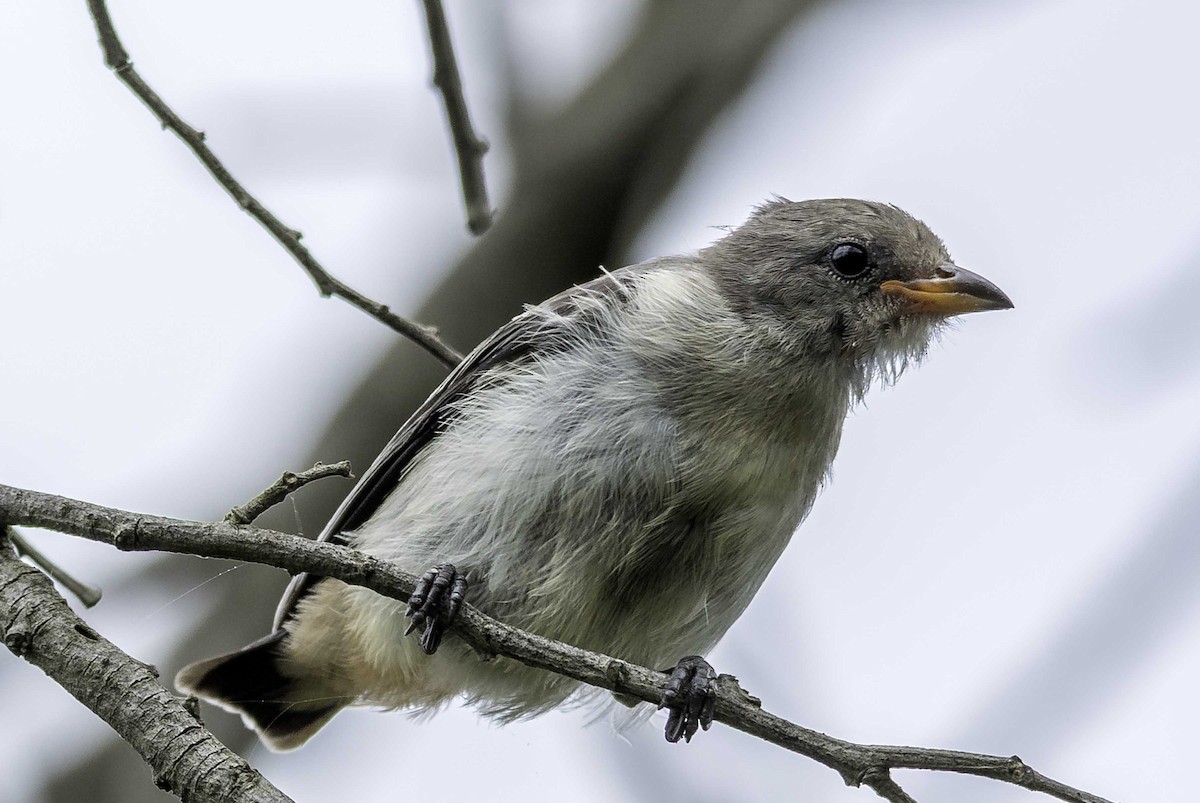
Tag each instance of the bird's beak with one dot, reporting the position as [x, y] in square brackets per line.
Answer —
[954, 291]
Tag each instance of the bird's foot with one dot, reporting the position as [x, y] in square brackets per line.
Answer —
[689, 698]
[434, 604]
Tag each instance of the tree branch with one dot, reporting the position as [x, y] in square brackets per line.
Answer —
[87, 594]
[468, 145]
[188, 761]
[858, 764]
[880, 780]
[288, 482]
[117, 59]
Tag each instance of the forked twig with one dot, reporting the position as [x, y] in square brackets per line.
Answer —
[279, 490]
[117, 59]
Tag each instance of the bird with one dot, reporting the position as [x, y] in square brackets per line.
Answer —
[618, 467]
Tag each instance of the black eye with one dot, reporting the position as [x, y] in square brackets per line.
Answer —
[850, 260]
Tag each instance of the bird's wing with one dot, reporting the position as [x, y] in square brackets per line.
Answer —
[538, 330]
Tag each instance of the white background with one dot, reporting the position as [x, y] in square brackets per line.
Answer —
[1007, 558]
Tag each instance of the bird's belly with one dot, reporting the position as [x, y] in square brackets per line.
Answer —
[690, 599]
[673, 585]
[645, 552]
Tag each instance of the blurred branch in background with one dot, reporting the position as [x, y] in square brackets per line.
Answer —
[118, 61]
[38, 625]
[859, 765]
[468, 145]
[587, 177]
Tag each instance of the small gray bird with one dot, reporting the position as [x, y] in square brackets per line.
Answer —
[618, 468]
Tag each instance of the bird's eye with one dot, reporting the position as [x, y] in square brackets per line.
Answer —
[850, 260]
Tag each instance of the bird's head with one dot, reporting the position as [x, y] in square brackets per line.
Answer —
[849, 284]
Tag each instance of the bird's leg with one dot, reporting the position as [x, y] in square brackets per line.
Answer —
[434, 604]
[689, 698]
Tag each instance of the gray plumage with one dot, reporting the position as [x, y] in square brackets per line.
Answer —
[618, 468]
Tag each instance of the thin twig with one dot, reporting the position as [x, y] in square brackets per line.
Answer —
[87, 594]
[37, 624]
[858, 764]
[117, 59]
[288, 482]
[468, 145]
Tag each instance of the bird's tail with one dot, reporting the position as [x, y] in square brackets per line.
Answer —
[252, 682]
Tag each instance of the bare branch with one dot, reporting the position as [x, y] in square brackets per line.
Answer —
[87, 594]
[858, 764]
[117, 59]
[468, 145]
[288, 482]
[881, 781]
[188, 761]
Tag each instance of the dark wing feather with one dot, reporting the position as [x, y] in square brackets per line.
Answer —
[529, 333]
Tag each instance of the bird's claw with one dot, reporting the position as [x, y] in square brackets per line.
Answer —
[434, 604]
[690, 696]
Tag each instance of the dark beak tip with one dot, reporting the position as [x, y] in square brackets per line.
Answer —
[980, 287]
[1002, 301]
